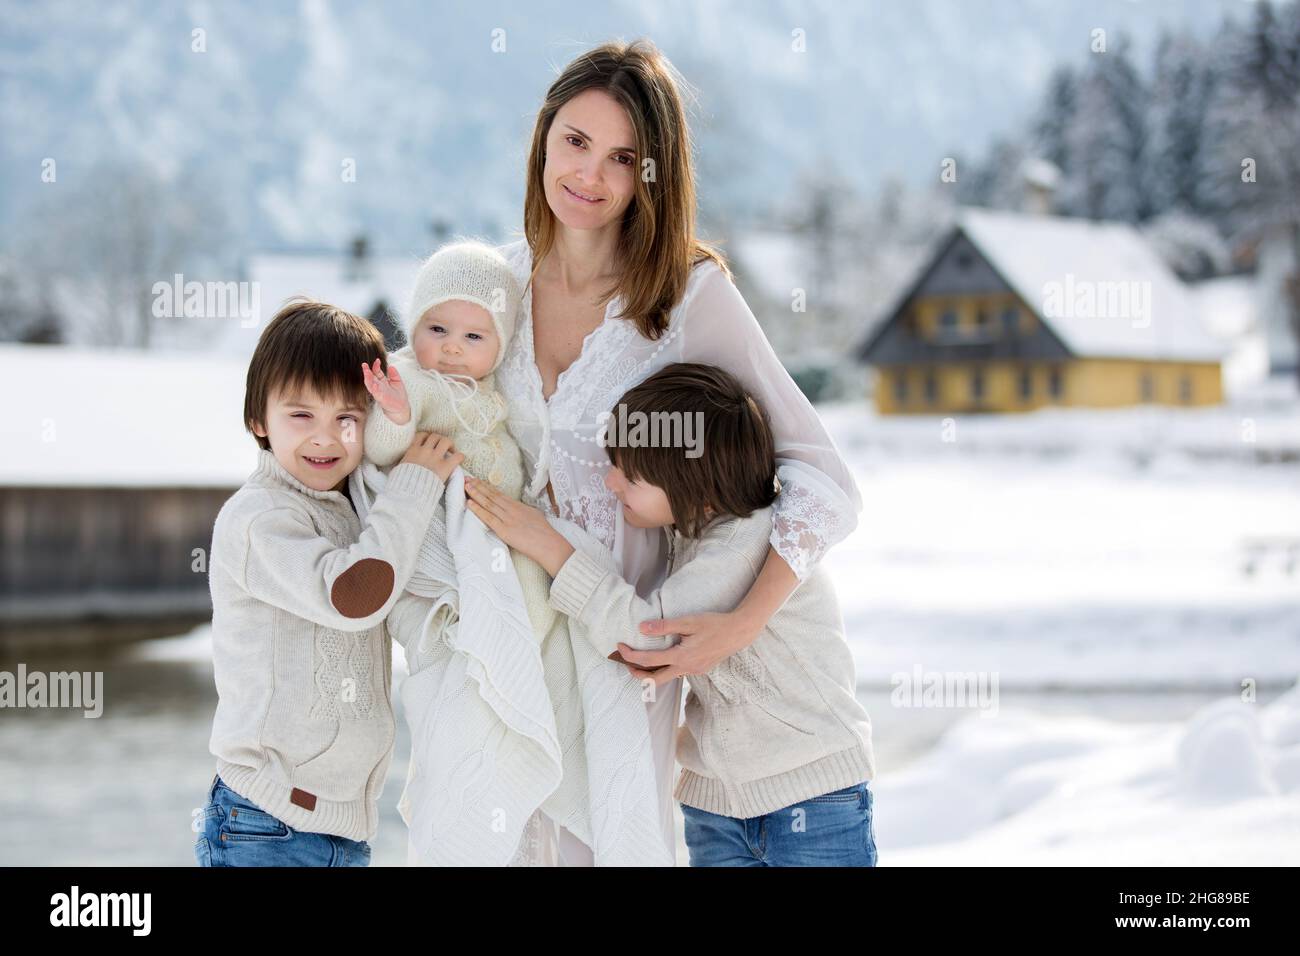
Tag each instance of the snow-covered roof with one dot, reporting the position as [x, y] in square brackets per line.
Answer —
[1040, 172]
[1228, 306]
[124, 418]
[327, 277]
[1052, 260]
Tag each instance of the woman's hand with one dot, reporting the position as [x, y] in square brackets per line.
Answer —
[520, 526]
[389, 393]
[706, 639]
[712, 637]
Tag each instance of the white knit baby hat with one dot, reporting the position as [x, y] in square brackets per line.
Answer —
[473, 272]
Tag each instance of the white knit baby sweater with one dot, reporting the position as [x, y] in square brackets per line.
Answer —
[478, 431]
[476, 424]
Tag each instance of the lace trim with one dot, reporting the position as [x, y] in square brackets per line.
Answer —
[613, 358]
[804, 527]
[582, 461]
[532, 850]
[590, 505]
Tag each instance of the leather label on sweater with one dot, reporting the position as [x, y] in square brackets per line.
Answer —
[618, 658]
[362, 589]
[303, 799]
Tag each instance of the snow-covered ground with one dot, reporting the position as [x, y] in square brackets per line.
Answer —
[1094, 556]
[1223, 788]
[1130, 548]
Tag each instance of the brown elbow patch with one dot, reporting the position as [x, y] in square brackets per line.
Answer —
[362, 589]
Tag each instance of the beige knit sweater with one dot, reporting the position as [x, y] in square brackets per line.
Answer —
[775, 723]
[302, 659]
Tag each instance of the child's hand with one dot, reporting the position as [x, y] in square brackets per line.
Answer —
[389, 393]
[434, 452]
[520, 526]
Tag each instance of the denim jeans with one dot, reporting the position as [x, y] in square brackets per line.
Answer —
[234, 831]
[834, 829]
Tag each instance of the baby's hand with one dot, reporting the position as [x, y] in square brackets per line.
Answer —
[389, 393]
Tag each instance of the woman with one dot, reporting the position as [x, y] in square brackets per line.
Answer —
[618, 286]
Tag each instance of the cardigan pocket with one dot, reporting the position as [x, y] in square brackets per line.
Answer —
[760, 738]
[341, 771]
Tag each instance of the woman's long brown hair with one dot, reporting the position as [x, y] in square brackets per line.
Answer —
[657, 244]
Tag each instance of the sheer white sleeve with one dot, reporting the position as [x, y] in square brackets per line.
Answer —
[819, 501]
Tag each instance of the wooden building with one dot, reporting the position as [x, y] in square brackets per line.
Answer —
[116, 464]
[117, 461]
[1016, 311]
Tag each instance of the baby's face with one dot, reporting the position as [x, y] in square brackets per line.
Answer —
[456, 338]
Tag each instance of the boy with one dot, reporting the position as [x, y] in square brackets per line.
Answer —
[776, 751]
[303, 731]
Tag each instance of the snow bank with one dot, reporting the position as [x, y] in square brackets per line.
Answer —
[124, 418]
[1023, 789]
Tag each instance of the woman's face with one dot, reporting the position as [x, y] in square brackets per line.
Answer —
[591, 162]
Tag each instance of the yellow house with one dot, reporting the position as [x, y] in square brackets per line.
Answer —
[1016, 311]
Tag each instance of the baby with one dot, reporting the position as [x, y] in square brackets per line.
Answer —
[488, 717]
[461, 317]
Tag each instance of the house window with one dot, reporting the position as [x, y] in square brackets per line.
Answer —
[977, 384]
[948, 320]
[1010, 316]
[931, 387]
[1026, 383]
[1148, 387]
[1185, 389]
[1054, 382]
[981, 319]
[900, 386]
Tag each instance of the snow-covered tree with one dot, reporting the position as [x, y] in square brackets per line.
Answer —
[1054, 118]
[1104, 140]
[95, 248]
[1191, 245]
[1171, 159]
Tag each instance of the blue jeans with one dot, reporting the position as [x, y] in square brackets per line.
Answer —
[834, 829]
[234, 831]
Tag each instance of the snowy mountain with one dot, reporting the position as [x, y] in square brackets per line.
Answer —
[257, 107]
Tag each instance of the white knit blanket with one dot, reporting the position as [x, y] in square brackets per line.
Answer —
[504, 723]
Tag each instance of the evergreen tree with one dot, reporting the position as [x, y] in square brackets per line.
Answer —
[1171, 158]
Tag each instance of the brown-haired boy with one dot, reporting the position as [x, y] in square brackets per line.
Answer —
[776, 751]
[303, 731]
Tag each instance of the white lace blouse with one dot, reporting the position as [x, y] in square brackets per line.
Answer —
[819, 501]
